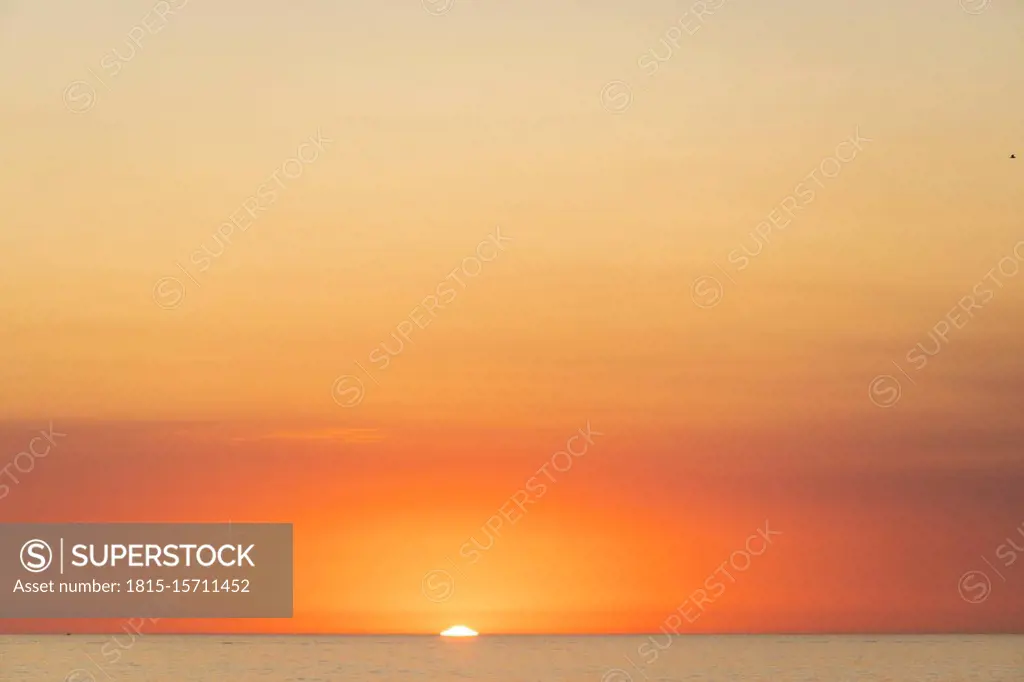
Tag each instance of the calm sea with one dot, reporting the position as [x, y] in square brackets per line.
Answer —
[162, 658]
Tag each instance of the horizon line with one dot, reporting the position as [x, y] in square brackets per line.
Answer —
[530, 634]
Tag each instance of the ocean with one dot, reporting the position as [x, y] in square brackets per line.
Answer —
[690, 658]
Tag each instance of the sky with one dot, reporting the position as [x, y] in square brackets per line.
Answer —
[769, 252]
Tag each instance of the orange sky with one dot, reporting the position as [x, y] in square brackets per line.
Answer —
[443, 132]
[614, 543]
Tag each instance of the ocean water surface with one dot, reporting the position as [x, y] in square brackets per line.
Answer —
[691, 658]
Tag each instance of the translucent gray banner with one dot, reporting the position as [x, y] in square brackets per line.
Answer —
[146, 570]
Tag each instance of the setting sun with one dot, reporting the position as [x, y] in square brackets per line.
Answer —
[459, 631]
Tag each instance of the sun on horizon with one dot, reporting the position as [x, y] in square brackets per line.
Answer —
[459, 631]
